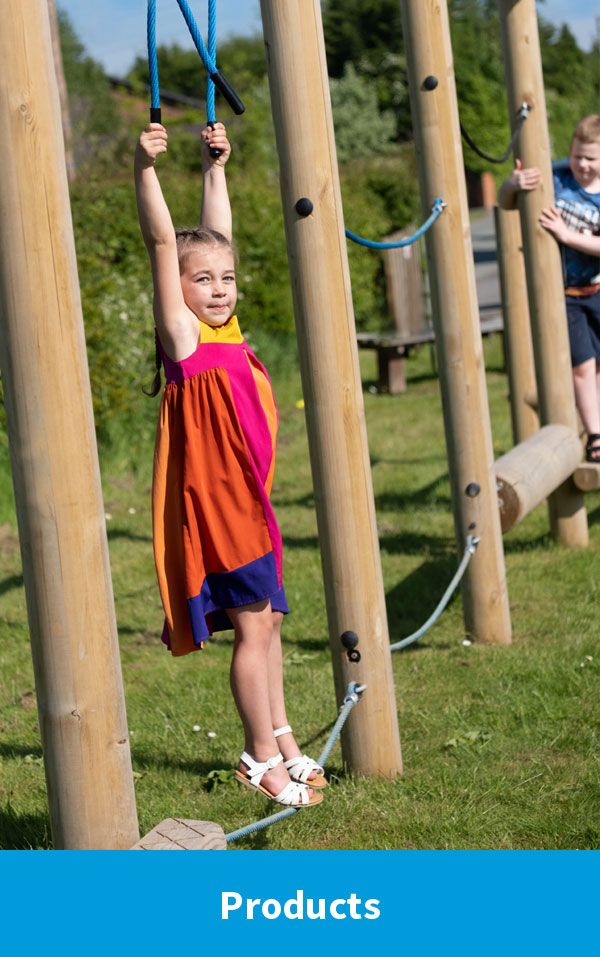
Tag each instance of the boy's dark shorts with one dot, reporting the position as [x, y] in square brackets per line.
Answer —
[583, 313]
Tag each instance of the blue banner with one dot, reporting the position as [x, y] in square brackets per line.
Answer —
[428, 902]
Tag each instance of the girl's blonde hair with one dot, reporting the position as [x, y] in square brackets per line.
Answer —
[187, 241]
[190, 239]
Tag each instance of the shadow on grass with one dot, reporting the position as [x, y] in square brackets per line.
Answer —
[411, 544]
[434, 493]
[23, 832]
[14, 581]
[20, 751]
[517, 546]
[594, 516]
[115, 533]
[411, 602]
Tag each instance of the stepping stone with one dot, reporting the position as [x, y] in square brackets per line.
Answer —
[175, 834]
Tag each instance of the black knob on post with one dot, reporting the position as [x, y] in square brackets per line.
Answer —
[350, 640]
[304, 207]
[430, 83]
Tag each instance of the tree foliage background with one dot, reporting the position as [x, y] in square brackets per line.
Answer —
[369, 91]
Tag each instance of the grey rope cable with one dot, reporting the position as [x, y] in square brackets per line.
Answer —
[354, 693]
[521, 117]
[470, 549]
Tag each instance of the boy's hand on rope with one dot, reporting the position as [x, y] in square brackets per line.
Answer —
[526, 179]
[215, 138]
[152, 142]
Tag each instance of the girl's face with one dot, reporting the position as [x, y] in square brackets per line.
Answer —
[208, 283]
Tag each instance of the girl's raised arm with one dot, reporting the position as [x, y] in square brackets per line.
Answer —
[176, 324]
[216, 208]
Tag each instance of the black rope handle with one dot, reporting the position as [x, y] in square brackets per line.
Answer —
[521, 117]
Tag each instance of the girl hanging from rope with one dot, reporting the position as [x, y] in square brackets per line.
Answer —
[217, 545]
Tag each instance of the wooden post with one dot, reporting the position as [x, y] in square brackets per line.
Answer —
[518, 347]
[331, 377]
[531, 471]
[456, 315]
[542, 257]
[54, 460]
[62, 90]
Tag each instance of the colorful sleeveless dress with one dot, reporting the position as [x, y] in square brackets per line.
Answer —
[217, 544]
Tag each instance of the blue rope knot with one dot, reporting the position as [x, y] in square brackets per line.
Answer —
[436, 210]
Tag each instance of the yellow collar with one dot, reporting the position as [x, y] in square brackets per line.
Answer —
[228, 332]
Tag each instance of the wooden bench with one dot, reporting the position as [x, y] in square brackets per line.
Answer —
[406, 300]
[393, 348]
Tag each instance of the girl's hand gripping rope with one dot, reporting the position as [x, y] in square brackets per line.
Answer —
[152, 142]
[214, 138]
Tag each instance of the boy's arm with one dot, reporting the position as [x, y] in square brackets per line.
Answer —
[216, 208]
[171, 314]
[520, 179]
[552, 220]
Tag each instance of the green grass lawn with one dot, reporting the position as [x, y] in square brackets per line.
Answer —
[500, 745]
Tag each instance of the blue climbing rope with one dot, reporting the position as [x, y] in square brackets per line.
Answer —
[153, 62]
[354, 693]
[470, 549]
[211, 42]
[436, 210]
[208, 57]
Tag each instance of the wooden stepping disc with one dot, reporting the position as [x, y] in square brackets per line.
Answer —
[174, 834]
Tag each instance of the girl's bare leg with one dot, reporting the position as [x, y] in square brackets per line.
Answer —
[249, 677]
[286, 742]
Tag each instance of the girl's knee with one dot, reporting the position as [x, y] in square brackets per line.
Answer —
[253, 622]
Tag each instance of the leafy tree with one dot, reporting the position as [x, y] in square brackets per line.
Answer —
[368, 34]
[96, 125]
[357, 30]
[480, 79]
[360, 128]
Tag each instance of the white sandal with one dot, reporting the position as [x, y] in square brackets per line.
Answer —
[300, 767]
[293, 794]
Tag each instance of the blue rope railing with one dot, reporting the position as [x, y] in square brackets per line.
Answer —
[436, 210]
[353, 695]
[208, 57]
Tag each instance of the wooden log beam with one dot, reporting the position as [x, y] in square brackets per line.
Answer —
[587, 477]
[532, 470]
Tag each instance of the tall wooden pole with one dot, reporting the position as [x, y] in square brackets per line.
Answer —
[62, 90]
[456, 315]
[518, 347]
[523, 66]
[54, 458]
[331, 378]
